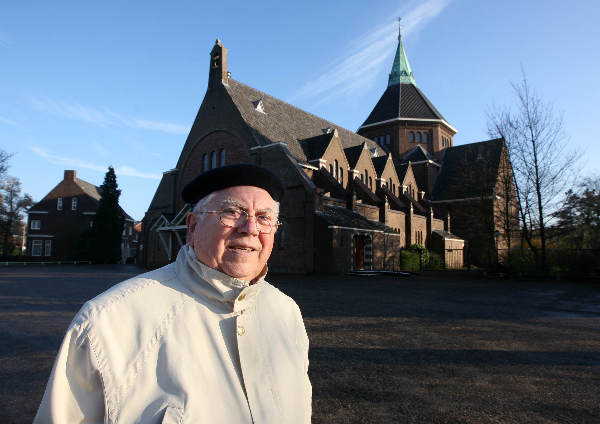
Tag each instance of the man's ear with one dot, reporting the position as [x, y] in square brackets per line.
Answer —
[191, 221]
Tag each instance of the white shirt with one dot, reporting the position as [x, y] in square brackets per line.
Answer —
[182, 344]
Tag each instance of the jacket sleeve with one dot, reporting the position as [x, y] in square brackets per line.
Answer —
[74, 393]
[302, 340]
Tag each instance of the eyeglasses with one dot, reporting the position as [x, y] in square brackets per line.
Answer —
[235, 218]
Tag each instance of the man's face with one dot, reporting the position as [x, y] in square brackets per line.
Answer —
[239, 252]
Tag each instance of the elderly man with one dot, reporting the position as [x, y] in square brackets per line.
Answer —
[202, 340]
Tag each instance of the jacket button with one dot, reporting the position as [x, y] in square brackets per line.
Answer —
[240, 330]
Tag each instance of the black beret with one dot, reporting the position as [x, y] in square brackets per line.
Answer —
[229, 176]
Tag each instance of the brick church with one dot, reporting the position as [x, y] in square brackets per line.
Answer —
[353, 199]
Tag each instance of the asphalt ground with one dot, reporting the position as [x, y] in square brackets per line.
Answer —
[438, 348]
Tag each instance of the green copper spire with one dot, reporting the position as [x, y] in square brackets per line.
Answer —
[401, 72]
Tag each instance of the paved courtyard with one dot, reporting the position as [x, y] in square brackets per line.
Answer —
[424, 349]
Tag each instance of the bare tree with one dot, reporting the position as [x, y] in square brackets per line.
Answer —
[542, 165]
[12, 208]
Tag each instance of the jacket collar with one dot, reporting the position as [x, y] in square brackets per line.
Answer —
[209, 282]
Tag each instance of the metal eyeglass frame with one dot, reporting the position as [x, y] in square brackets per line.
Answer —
[276, 225]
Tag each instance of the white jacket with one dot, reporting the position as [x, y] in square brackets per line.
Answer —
[182, 344]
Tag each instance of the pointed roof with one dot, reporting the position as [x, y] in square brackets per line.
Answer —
[401, 71]
[379, 164]
[402, 100]
[418, 154]
[314, 147]
[468, 171]
[353, 154]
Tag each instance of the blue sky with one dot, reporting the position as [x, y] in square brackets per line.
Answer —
[84, 85]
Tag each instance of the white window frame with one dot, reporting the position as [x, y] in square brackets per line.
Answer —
[36, 248]
[74, 204]
[59, 204]
[47, 247]
[36, 224]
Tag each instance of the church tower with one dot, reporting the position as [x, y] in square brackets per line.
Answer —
[404, 118]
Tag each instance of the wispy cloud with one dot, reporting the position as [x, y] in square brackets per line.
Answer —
[7, 121]
[103, 117]
[364, 57]
[76, 163]
[4, 41]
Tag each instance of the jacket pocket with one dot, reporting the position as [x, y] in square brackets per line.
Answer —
[173, 415]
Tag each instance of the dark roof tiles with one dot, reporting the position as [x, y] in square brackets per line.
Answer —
[282, 122]
[402, 101]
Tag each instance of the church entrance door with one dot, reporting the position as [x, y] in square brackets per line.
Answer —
[359, 252]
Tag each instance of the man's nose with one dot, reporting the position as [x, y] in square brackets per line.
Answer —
[249, 227]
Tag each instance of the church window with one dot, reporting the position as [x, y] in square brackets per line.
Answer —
[362, 178]
[331, 169]
[370, 182]
[341, 174]
[205, 162]
[418, 137]
[366, 177]
[222, 157]
[424, 137]
[213, 159]
[411, 137]
[387, 139]
[375, 139]
[335, 168]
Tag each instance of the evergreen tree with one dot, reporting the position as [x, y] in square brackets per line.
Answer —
[105, 246]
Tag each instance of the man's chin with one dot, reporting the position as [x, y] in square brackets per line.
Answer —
[244, 272]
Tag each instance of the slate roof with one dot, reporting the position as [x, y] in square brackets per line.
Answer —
[323, 179]
[417, 154]
[88, 188]
[468, 171]
[402, 101]
[342, 217]
[282, 122]
[446, 235]
[363, 192]
[393, 200]
[401, 169]
[353, 154]
[379, 164]
[314, 147]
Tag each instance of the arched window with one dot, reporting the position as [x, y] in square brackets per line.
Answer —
[411, 137]
[205, 162]
[418, 137]
[335, 168]
[425, 137]
[370, 182]
[222, 157]
[375, 139]
[213, 159]
[362, 178]
[341, 174]
[331, 169]
[366, 177]
[387, 139]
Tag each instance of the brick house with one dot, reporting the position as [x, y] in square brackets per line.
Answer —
[55, 223]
